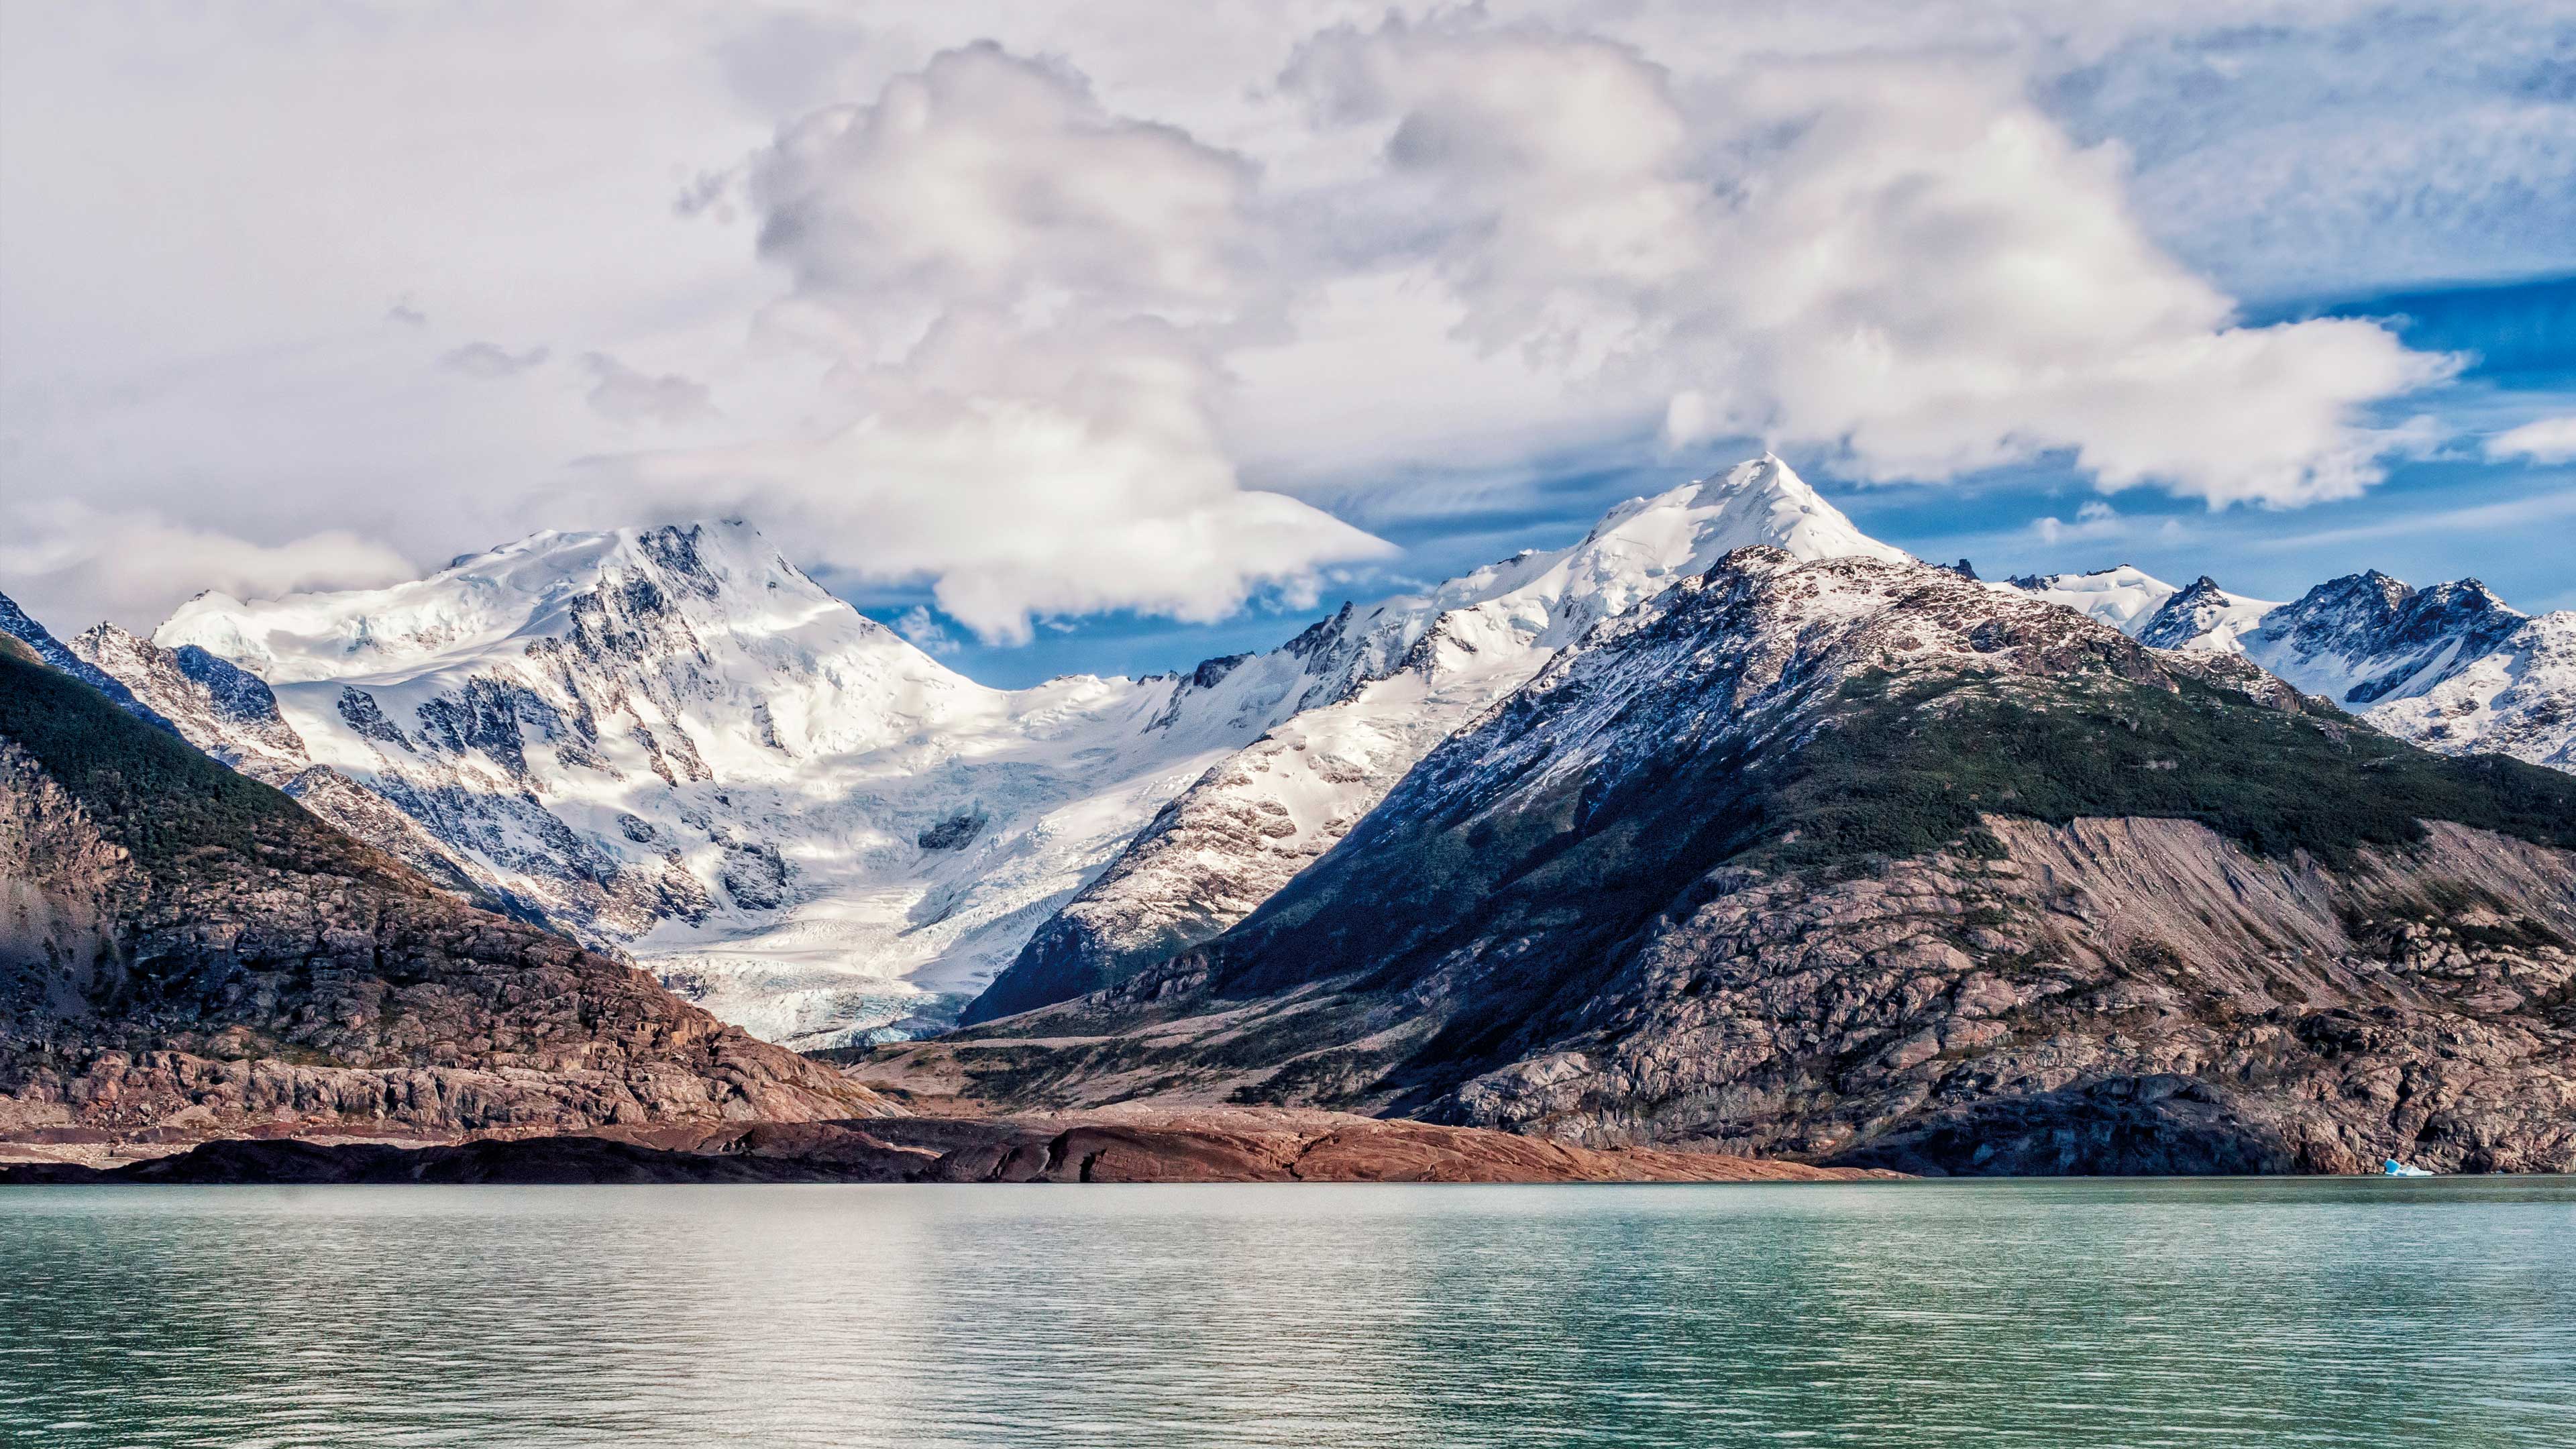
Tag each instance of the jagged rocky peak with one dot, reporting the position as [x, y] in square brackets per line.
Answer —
[16, 623]
[2202, 616]
[2368, 637]
[2451, 667]
[1374, 691]
[217, 706]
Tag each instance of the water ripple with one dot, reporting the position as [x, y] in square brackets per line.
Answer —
[1989, 1313]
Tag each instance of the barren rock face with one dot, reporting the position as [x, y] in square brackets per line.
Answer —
[186, 949]
[2132, 991]
[1857, 861]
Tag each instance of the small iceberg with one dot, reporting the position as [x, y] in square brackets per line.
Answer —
[2395, 1168]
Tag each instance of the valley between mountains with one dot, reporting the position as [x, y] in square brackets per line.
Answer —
[1725, 830]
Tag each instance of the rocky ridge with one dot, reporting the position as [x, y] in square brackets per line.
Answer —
[185, 950]
[1863, 862]
[1421, 666]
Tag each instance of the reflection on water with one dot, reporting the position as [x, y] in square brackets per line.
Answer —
[1971, 1313]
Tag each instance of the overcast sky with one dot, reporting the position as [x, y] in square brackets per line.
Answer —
[1114, 335]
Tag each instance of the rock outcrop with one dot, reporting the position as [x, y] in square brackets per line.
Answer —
[186, 950]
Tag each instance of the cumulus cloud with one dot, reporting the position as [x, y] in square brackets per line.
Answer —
[2096, 519]
[625, 395]
[1903, 263]
[1076, 316]
[2548, 440]
[1024, 296]
[490, 360]
[72, 565]
[926, 633]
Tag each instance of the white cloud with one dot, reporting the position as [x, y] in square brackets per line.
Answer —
[1899, 261]
[74, 565]
[2546, 440]
[2096, 519]
[485, 359]
[1045, 318]
[629, 396]
[1024, 296]
[925, 632]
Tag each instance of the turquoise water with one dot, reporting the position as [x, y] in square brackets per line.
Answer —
[2326, 1312]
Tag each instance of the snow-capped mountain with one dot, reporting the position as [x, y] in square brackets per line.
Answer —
[2366, 637]
[1418, 668]
[16, 623]
[1860, 861]
[673, 742]
[2121, 596]
[2201, 615]
[2450, 667]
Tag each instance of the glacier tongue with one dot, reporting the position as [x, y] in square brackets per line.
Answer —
[1392, 683]
[673, 742]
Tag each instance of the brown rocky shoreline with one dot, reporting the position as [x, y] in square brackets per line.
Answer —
[1134, 1145]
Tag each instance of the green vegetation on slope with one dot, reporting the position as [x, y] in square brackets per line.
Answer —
[149, 791]
[1540, 880]
[1908, 771]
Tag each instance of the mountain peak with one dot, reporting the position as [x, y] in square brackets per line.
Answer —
[2202, 616]
[2123, 596]
[502, 598]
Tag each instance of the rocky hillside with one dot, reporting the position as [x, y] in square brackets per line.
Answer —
[1419, 667]
[1865, 862]
[186, 950]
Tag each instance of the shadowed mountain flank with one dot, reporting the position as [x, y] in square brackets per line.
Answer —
[185, 949]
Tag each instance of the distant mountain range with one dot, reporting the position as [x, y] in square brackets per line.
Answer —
[671, 744]
[2451, 667]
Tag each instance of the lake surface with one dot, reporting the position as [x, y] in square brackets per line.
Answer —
[1972, 1313]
